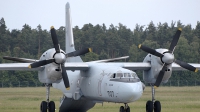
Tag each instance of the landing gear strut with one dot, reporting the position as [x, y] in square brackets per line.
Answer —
[153, 105]
[46, 104]
[125, 108]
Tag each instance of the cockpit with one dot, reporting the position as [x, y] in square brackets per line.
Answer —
[124, 77]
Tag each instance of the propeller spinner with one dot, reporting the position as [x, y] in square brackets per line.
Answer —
[168, 57]
[60, 58]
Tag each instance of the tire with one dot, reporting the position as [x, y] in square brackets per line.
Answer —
[43, 106]
[149, 106]
[121, 109]
[128, 109]
[157, 106]
[51, 106]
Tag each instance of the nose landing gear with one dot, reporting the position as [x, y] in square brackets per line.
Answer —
[125, 108]
[46, 104]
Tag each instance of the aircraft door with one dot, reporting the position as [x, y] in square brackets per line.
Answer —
[100, 84]
[112, 88]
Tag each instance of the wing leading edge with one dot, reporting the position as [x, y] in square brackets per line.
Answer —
[147, 66]
[86, 66]
[18, 66]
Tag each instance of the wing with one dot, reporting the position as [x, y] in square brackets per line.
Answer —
[147, 66]
[76, 66]
[86, 66]
[24, 66]
[127, 65]
[18, 66]
[136, 65]
[22, 60]
[176, 67]
[110, 60]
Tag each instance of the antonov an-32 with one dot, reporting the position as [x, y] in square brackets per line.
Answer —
[86, 83]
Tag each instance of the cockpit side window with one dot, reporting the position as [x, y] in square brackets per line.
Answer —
[119, 74]
[113, 75]
[129, 75]
[134, 75]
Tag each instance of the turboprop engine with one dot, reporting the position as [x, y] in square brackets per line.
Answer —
[53, 61]
[51, 72]
[151, 75]
[161, 62]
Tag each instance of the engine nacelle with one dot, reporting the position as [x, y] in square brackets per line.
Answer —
[151, 75]
[51, 73]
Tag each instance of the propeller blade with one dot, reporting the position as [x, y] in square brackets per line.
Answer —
[79, 52]
[149, 50]
[23, 60]
[65, 77]
[160, 76]
[175, 40]
[41, 63]
[55, 40]
[186, 65]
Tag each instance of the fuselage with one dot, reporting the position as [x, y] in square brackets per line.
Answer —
[111, 84]
[103, 83]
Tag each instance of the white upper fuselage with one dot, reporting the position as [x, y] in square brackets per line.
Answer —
[111, 83]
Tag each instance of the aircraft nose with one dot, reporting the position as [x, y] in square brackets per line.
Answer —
[130, 92]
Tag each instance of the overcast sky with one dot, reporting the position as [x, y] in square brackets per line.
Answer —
[128, 12]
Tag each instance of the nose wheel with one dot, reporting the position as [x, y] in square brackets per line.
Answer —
[153, 105]
[125, 108]
[46, 105]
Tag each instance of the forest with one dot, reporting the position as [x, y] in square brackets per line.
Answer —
[106, 42]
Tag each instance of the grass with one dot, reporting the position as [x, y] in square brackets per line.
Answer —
[184, 99]
[25, 99]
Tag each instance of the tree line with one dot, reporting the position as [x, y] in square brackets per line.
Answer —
[106, 42]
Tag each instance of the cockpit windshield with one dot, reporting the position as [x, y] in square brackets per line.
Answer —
[119, 74]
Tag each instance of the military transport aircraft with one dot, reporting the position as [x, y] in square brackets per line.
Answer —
[86, 83]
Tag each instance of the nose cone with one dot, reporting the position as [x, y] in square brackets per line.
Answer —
[130, 92]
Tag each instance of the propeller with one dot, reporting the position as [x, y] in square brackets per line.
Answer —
[160, 76]
[41, 63]
[79, 52]
[59, 58]
[23, 60]
[55, 40]
[168, 57]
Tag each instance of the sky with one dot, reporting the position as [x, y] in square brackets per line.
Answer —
[16, 13]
